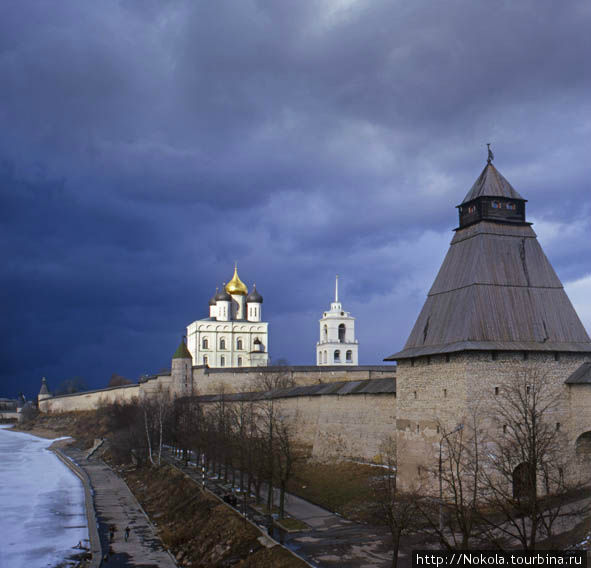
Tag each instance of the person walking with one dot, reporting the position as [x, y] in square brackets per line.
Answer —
[127, 531]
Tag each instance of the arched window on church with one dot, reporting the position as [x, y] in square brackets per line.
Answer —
[205, 359]
[222, 361]
[222, 343]
[325, 332]
[337, 356]
[342, 333]
[239, 344]
[240, 361]
[325, 357]
[205, 343]
[349, 356]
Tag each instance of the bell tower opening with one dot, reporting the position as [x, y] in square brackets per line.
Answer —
[337, 335]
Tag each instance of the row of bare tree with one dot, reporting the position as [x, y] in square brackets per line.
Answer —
[245, 441]
[501, 478]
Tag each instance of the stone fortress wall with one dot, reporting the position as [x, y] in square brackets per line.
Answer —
[336, 424]
[343, 427]
[428, 392]
[496, 309]
[89, 400]
[445, 391]
[243, 379]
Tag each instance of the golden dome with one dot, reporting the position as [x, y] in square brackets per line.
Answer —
[236, 286]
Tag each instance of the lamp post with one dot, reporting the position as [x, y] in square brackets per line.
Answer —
[444, 437]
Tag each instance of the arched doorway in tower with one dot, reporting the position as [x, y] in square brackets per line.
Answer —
[325, 333]
[337, 356]
[342, 333]
[583, 447]
[524, 481]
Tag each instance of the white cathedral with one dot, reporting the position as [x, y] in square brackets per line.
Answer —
[233, 335]
[337, 345]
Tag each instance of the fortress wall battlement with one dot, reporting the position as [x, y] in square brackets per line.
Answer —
[244, 379]
[333, 426]
[212, 381]
[89, 400]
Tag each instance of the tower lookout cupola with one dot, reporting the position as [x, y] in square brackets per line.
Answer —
[496, 290]
[492, 198]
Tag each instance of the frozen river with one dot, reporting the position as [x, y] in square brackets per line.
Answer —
[41, 504]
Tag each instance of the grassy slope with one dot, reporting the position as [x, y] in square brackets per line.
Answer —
[193, 525]
[341, 487]
[197, 527]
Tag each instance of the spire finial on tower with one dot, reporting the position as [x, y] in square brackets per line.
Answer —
[336, 289]
[491, 156]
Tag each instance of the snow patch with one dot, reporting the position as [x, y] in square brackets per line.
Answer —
[43, 514]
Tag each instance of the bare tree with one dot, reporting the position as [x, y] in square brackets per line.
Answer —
[525, 475]
[452, 511]
[71, 386]
[268, 424]
[397, 510]
[156, 408]
[279, 378]
[286, 454]
[118, 380]
[241, 425]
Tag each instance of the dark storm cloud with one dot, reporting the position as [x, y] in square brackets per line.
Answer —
[146, 146]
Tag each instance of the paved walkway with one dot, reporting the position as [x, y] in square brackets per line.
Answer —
[331, 540]
[116, 506]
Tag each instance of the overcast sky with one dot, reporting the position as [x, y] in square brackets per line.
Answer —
[146, 146]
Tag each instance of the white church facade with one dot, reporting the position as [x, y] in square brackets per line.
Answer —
[234, 334]
[337, 344]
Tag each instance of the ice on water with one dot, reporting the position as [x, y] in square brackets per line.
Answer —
[42, 512]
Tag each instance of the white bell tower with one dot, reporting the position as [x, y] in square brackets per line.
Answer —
[337, 345]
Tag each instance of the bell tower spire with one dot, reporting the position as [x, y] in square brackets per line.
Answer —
[337, 345]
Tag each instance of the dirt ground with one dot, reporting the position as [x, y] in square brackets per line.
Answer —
[196, 527]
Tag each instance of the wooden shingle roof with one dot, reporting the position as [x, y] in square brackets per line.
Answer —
[582, 376]
[182, 352]
[496, 291]
[491, 183]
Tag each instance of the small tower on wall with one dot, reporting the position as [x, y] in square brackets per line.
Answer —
[44, 391]
[337, 344]
[182, 370]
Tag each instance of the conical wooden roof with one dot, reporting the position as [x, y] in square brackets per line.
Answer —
[495, 291]
[491, 183]
[182, 352]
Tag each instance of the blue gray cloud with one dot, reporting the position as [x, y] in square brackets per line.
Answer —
[146, 146]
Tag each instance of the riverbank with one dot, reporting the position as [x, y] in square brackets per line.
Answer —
[94, 547]
[43, 517]
[192, 525]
